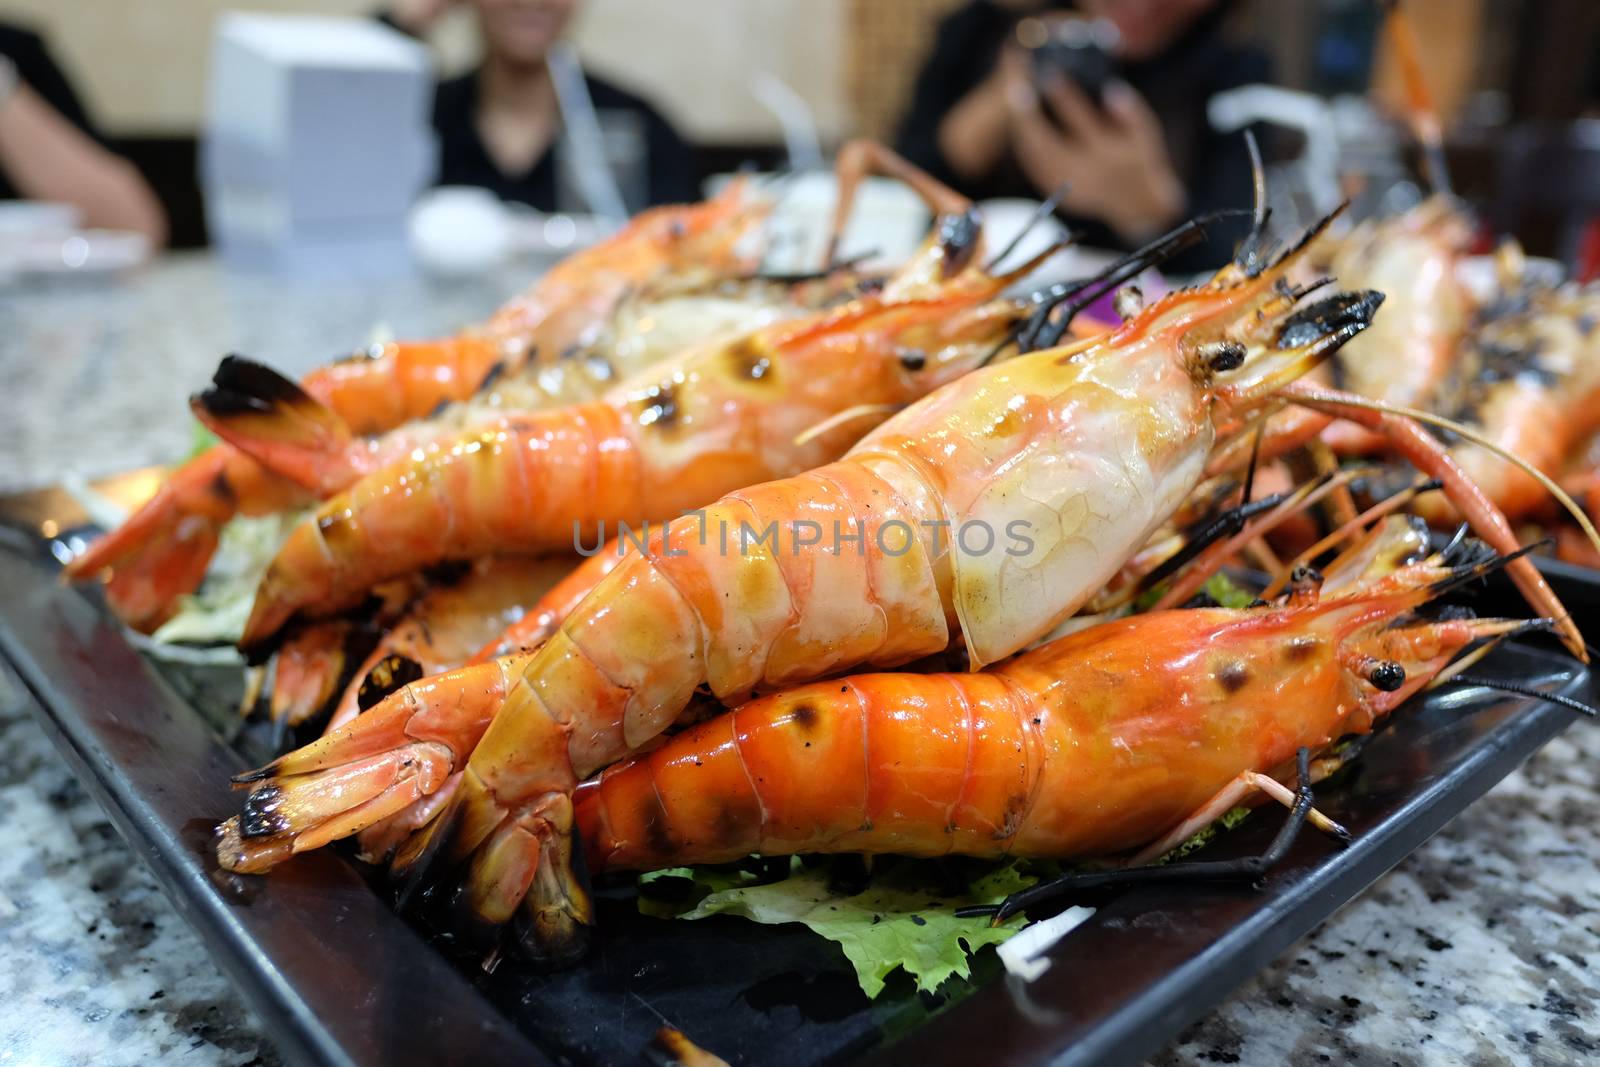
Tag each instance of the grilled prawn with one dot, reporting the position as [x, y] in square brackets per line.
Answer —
[1129, 735]
[161, 552]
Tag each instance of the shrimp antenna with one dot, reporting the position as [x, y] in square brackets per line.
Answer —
[1250, 256]
[1205, 534]
[842, 418]
[1255, 458]
[1526, 691]
[1422, 113]
[1040, 213]
[1469, 434]
[1045, 329]
[1477, 566]
[800, 277]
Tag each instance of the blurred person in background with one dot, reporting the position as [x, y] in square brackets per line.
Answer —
[49, 150]
[996, 118]
[499, 124]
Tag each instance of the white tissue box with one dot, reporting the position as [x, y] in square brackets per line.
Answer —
[317, 141]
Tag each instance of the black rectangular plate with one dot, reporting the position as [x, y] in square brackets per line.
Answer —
[338, 978]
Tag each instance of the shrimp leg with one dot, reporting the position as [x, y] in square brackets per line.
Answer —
[1246, 867]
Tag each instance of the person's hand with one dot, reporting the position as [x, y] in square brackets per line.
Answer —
[418, 16]
[1112, 159]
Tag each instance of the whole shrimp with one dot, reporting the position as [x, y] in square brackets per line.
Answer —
[285, 429]
[1089, 449]
[1532, 386]
[1414, 260]
[720, 416]
[1133, 734]
[161, 552]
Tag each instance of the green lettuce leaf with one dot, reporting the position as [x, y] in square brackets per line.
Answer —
[1221, 588]
[898, 921]
[1229, 593]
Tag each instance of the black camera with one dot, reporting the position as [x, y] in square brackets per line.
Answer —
[1076, 48]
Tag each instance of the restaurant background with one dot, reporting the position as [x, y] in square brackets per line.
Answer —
[851, 61]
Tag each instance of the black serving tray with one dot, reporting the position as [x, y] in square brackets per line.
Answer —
[339, 978]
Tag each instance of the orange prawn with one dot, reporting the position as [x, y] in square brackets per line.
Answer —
[1413, 259]
[1133, 734]
[1533, 373]
[162, 551]
[392, 798]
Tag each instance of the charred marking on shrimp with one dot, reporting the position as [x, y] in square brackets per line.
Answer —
[1015, 810]
[659, 407]
[653, 818]
[735, 823]
[750, 359]
[1301, 648]
[1233, 676]
[223, 488]
[804, 716]
[392, 672]
[260, 816]
[338, 530]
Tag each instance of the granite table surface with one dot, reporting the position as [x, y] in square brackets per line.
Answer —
[1482, 948]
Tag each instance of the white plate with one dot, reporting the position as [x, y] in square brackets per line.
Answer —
[23, 218]
[72, 253]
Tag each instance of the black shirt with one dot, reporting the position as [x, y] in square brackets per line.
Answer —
[1214, 168]
[669, 166]
[39, 72]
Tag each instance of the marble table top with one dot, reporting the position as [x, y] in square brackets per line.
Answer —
[1481, 948]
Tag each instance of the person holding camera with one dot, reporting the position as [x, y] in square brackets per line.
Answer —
[1105, 99]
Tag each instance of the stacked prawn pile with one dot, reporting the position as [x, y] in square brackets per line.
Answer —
[857, 477]
[1509, 367]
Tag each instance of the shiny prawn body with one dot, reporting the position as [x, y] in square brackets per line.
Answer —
[288, 432]
[725, 414]
[1101, 742]
[161, 552]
